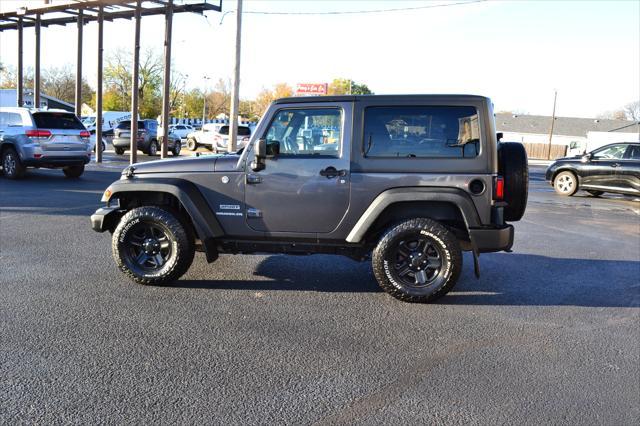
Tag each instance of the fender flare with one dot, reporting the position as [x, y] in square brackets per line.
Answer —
[454, 196]
[204, 220]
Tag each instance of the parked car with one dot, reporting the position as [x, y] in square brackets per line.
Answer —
[611, 168]
[215, 136]
[147, 138]
[412, 215]
[42, 138]
[181, 130]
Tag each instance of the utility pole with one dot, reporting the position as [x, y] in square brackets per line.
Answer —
[233, 119]
[553, 120]
[166, 86]
[204, 95]
[135, 89]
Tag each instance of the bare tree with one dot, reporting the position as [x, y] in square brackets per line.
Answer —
[632, 110]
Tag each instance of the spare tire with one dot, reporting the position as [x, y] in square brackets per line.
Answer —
[513, 167]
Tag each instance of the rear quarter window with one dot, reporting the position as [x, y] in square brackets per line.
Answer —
[421, 132]
[57, 120]
[10, 119]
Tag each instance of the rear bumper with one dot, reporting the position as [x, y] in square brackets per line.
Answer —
[104, 219]
[57, 161]
[126, 143]
[492, 239]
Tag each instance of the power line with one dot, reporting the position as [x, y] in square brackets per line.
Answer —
[354, 12]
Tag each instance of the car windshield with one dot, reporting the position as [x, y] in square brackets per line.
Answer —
[57, 120]
[242, 131]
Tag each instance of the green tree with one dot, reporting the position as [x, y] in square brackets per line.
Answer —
[345, 86]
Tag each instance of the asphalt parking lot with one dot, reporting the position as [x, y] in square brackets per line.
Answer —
[549, 334]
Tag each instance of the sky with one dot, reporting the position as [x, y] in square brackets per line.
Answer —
[516, 52]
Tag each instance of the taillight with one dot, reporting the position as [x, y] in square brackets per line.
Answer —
[38, 134]
[498, 188]
[85, 134]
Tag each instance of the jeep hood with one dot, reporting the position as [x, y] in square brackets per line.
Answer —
[200, 164]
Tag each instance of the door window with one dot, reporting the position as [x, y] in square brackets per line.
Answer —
[421, 131]
[313, 132]
[613, 152]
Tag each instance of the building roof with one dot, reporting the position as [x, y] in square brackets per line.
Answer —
[565, 126]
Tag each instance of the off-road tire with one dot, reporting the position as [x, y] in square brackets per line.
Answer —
[514, 168]
[192, 144]
[73, 171]
[119, 151]
[152, 151]
[12, 167]
[180, 237]
[439, 237]
[565, 183]
[595, 193]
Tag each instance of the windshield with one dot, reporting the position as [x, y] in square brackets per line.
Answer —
[242, 131]
[88, 121]
[57, 120]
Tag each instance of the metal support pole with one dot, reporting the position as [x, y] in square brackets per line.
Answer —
[233, 119]
[20, 77]
[134, 87]
[167, 79]
[36, 81]
[99, 86]
[79, 66]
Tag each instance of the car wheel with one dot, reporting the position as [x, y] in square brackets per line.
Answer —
[11, 164]
[176, 148]
[192, 145]
[119, 151]
[153, 149]
[152, 246]
[417, 260]
[73, 171]
[595, 193]
[565, 183]
[104, 147]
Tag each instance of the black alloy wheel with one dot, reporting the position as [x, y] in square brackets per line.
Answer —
[148, 247]
[417, 261]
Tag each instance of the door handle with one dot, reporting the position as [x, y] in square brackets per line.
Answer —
[331, 172]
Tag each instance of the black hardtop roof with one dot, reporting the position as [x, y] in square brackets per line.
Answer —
[356, 98]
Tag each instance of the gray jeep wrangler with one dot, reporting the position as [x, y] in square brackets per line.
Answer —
[408, 181]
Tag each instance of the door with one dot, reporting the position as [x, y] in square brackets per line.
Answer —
[304, 187]
[629, 171]
[601, 170]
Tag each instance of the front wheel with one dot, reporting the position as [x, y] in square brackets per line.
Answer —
[152, 246]
[176, 148]
[566, 183]
[73, 171]
[119, 151]
[417, 260]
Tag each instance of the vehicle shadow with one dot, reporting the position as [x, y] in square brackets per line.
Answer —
[506, 279]
[49, 192]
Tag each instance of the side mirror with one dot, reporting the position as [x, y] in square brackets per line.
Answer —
[260, 149]
[499, 136]
[586, 157]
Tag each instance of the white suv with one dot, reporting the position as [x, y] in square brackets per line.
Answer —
[215, 136]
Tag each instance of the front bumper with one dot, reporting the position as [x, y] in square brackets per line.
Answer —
[105, 219]
[492, 239]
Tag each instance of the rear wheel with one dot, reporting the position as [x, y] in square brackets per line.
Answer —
[192, 145]
[119, 151]
[73, 171]
[11, 164]
[595, 193]
[153, 149]
[176, 148]
[152, 246]
[417, 260]
[565, 183]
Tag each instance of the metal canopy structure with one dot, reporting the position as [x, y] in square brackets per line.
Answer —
[82, 12]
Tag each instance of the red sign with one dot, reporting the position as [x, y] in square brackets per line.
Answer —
[311, 89]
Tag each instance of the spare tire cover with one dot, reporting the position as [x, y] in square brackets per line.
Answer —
[513, 167]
